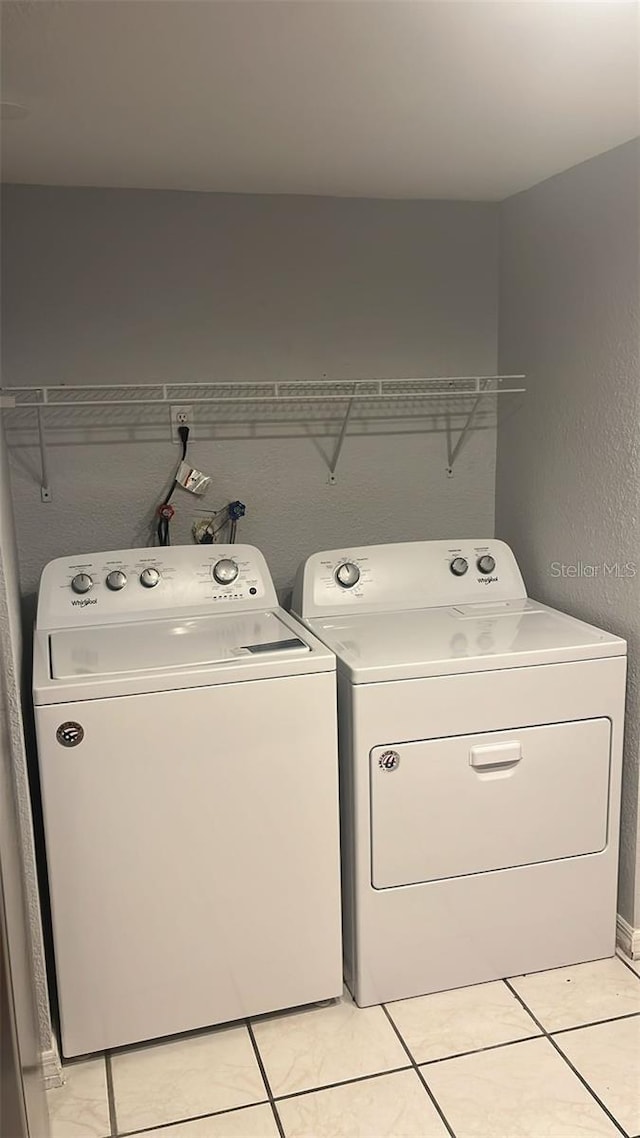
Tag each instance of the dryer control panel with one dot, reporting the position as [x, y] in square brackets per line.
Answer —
[406, 575]
[140, 584]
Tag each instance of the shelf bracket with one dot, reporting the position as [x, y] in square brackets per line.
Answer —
[454, 450]
[333, 465]
[45, 489]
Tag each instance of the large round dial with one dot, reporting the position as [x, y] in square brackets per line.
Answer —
[486, 563]
[81, 583]
[116, 580]
[347, 574]
[225, 571]
[459, 566]
[149, 577]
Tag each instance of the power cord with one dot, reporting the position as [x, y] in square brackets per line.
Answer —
[165, 510]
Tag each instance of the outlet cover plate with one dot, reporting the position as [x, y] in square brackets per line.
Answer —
[181, 416]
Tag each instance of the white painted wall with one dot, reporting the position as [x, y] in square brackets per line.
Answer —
[134, 286]
[568, 474]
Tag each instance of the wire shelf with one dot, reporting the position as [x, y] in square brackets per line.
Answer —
[299, 395]
[246, 391]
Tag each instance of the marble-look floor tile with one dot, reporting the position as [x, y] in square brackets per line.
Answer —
[524, 1090]
[390, 1106]
[608, 1058]
[169, 1082]
[582, 993]
[250, 1122]
[80, 1108]
[465, 1019]
[311, 1048]
[635, 964]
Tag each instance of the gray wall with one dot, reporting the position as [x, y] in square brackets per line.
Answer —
[133, 286]
[568, 473]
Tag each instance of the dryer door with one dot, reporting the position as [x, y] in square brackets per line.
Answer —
[473, 803]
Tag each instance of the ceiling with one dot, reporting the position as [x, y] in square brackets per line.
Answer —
[471, 99]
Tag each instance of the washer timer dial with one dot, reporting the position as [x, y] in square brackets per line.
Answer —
[116, 580]
[347, 574]
[225, 571]
[82, 583]
[486, 563]
[459, 566]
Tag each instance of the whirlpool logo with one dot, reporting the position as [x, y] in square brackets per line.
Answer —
[389, 761]
[82, 602]
[486, 580]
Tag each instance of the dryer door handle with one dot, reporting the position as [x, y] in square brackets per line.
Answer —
[494, 755]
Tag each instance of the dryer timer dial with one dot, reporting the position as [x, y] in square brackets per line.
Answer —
[486, 563]
[347, 574]
[149, 577]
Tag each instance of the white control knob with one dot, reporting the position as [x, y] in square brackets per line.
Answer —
[225, 571]
[81, 583]
[116, 580]
[486, 563]
[347, 574]
[149, 578]
[459, 566]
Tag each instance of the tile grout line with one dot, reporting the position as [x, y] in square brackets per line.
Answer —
[568, 1062]
[111, 1097]
[267, 1084]
[192, 1118]
[418, 1072]
[476, 1051]
[595, 1023]
[342, 1083]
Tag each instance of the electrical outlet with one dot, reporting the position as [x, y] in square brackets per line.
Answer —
[181, 416]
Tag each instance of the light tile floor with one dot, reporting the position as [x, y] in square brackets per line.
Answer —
[551, 1055]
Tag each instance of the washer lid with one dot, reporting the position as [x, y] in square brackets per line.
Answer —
[160, 645]
[445, 641]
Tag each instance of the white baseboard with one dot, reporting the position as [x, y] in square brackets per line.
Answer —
[628, 938]
[52, 1067]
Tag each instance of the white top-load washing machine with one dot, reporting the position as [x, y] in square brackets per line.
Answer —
[480, 758]
[187, 744]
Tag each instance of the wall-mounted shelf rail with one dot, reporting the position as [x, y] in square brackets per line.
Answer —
[388, 393]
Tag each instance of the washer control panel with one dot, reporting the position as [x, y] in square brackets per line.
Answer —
[417, 574]
[137, 584]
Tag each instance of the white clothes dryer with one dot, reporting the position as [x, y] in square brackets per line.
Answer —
[480, 738]
[187, 744]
